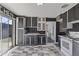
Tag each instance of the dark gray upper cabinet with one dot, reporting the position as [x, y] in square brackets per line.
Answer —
[71, 14]
[64, 16]
[28, 21]
[34, 21]
[31, 22]
[20, 22]
[77, 12]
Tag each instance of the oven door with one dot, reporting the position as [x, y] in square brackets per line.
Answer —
[66, 46]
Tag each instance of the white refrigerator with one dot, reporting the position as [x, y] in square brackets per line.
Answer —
[51, 31]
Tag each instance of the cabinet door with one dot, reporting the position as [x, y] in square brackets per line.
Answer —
[20, 22]
[43, 19]
[77, 12]
[43, 26]
[20, 36]
[36, 40]
[39, 27]
[27, 40]
[39, 19]
[43, 40]
[32, 40]
[34, 21]
[28, 21]
[65, 20]
[71, 14]
[39, 40]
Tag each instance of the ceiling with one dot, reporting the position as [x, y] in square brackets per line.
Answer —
[32, 9]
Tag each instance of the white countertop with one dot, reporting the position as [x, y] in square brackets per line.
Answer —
[34, 34]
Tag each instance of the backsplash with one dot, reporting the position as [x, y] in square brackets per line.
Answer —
[33, 30]
[75, 27]
[74, 34]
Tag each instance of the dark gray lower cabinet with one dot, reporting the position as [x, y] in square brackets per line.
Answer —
[26, 40]
[32, 40]
[35, 40]
[41, 39]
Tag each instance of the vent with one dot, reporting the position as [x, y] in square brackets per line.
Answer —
[65, 5]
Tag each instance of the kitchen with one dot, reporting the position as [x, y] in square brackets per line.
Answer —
[62, 31]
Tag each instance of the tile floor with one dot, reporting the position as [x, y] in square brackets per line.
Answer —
[40, 50]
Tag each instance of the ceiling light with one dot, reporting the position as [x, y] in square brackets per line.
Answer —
[39, 4]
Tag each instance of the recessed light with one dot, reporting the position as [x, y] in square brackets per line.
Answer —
[39, 4]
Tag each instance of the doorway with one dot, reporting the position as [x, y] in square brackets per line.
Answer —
[5, 34]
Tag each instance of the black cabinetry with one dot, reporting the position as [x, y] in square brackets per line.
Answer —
[34, 40]
[31, 21]
[41, 39]
[64, 16]
[77, 12]
[71, 14]
[34, 21]
[28, 21]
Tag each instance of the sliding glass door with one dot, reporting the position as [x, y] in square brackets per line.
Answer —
[5, 34]
[0, 35]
